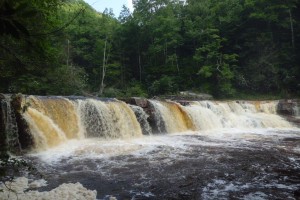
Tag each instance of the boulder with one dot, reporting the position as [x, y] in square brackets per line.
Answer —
[289, 107]
[137, 101]
[290, 110]
[188, 96]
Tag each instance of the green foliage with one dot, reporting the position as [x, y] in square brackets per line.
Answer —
[71, 80]
[112, 93]
[218, 47]
[135, 89]
[217, 67]
[11, 20]
[165, 85]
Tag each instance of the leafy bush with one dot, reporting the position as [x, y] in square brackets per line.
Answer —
[165, 85]
[112, 92]
[135, 90]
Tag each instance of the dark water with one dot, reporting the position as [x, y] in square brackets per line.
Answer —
[227, 164]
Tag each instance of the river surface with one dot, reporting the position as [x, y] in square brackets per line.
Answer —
[158, 150]
[218, 164]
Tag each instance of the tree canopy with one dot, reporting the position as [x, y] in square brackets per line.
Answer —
[225, 48]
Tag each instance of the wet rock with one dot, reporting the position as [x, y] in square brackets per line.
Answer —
[290, 110]
[294, 120]
[289, 107]
[142, 118]
[9, 132]
[155, 119]
[141, 102]
[184, 195]
[184, 102]
[25, 138]
[188, 96]
[2, 126]
[297, 194]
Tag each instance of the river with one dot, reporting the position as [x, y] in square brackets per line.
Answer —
[203, 150]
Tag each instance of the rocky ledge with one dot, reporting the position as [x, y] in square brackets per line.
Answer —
[290, 109]
[188, 96]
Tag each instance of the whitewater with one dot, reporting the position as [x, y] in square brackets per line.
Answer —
[108, 149]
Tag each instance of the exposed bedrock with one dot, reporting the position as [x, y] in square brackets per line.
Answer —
[2, 125]
[290, 109]
[19, 105]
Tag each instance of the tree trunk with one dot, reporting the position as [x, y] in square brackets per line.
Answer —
[68, 53]
[140, 65]
[292, 28]
[103, 68]
[177, 66]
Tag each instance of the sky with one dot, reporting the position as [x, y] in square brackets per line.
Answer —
[116, 5]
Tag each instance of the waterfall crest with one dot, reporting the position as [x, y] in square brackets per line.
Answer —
[209, 115]
[54, 120]
[173, 116]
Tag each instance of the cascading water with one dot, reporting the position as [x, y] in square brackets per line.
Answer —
[221, 149]
[209, 115]
[96, 118]
[53, 121]
[10, 123]
[124, 120]
[296, 110]
[203, 117]
[142, 118]
[173, 117]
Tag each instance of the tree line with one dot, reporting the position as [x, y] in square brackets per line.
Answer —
[225, 48]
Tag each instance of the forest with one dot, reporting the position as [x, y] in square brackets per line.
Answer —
[228, 48]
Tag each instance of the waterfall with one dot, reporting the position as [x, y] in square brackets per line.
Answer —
[10, 123]
[54, 120]
[209, 115]
[203, 117]
[172, 116]
[112, 119]
[156, 118]
[296, 110]
[142, 118]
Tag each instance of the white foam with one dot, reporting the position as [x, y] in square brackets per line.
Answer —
[38, 183]
[97, 148]
[256, 196]
[220, 189]
[17, 190]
